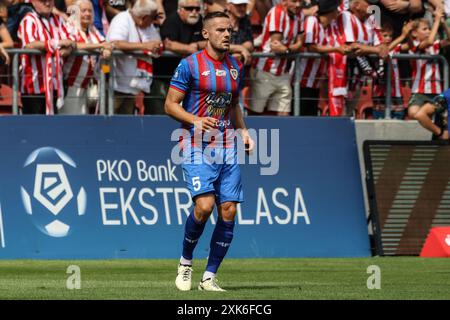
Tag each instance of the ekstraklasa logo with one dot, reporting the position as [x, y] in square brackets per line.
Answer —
[48, 191]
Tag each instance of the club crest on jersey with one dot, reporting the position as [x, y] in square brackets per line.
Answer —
[234, 73]
[220, 73]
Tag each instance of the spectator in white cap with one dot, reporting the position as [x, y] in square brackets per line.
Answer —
[241, 35]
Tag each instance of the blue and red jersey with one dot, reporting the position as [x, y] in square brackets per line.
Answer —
[211, 87]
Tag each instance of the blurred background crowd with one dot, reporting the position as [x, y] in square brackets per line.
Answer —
[357, 39]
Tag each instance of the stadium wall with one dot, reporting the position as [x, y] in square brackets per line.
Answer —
[107, 187]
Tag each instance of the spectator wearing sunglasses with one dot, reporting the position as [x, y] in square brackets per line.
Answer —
[182, 34]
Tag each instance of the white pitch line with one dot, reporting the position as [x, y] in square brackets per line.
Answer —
[2, 235]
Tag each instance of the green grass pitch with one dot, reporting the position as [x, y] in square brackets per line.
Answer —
[401, 278]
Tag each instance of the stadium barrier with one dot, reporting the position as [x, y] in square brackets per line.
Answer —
[109, 187]
[408, 185]
[106, 92]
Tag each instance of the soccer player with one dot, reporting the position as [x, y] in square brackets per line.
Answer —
[204, 93]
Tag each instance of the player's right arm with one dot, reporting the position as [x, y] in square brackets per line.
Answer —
[180, 84]
[174, 109]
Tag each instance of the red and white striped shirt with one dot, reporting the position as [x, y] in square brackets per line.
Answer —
[339, 32]
[367, 32]
[345, 5]
[278, 20]
[380, 90]
[342, 30]
[374, 29]
[37, 28]
[395, 75]
[78, 70]
[302, 17]
[426, 73]
[312, 71]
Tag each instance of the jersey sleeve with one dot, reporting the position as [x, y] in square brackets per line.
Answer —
[28, 30]
[241, 81]
[310, 27]
[347, 24]
[377, 37]
[181, 78]
[63, 30]
[274, 19]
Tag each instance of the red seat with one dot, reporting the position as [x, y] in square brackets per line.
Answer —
[406, 95]
[365, 102]
[6, 99]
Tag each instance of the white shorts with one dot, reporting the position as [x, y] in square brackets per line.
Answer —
[271, 91]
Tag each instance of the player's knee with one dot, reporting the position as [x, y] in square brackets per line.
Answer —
[228, 211]
[204, 208]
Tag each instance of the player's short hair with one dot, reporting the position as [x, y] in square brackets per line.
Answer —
[215, 14]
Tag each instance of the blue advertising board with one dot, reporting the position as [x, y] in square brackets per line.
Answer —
[108, 187]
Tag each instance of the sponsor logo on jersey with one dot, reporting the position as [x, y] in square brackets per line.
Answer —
[220, 73]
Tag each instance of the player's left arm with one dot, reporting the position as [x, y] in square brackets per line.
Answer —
[237, 119]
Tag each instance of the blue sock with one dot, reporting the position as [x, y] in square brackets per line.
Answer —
[192, 232]
[220, 242]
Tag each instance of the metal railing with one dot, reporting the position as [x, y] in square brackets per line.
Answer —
[296, 81]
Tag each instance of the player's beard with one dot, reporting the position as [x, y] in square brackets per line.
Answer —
[221, 49]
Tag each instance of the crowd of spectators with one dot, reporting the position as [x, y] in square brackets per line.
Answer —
[357, 38]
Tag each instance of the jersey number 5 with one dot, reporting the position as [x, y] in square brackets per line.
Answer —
[196, 183]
